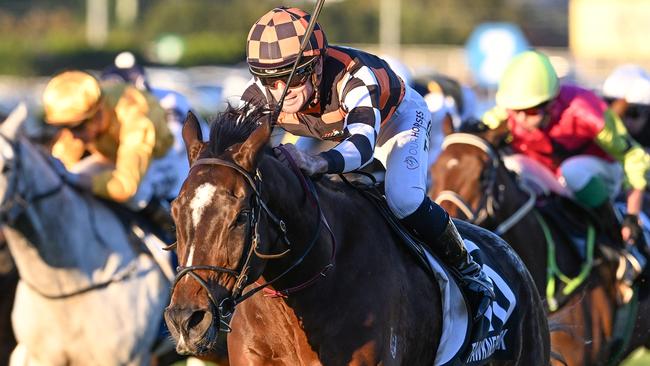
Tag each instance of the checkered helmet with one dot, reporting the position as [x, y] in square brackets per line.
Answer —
[274, 40]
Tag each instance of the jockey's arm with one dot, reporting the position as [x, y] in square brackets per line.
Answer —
[137, 139]
[616, 141]
[357, 149]
[495, 117]
[363, 121]
[68, 149]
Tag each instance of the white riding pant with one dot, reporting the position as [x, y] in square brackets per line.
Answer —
[438, 105]
[576, 172]
[403, 148]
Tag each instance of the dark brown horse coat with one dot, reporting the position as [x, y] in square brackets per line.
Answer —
[373, 306]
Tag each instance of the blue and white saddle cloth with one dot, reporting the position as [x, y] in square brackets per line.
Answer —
[463, 343]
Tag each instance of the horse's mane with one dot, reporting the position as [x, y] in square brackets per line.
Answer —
[234, 125]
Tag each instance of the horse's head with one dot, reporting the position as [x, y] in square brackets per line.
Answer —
[8, 136]
[23, 169]
[220, 222]
[464, 175]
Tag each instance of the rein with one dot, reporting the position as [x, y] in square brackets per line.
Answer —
[488, 204]
[14, 202]
[236, 296]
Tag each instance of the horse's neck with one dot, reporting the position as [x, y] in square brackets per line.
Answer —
[513, 197]
[63, 235]
[360, 237]
[369, 264]
[289, 202]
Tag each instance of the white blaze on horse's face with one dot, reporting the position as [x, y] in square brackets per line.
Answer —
[452, 163]
[202, 198]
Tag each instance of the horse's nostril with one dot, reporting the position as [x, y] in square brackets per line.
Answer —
[196, 319]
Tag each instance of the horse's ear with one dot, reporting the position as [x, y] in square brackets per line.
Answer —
[248, 154]
[14, 121]
[497, 137]
[447, 125]
[193, 137]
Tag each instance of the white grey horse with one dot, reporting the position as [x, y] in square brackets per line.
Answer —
[85, 296]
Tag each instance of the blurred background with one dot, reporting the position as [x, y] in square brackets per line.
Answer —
[196, 47]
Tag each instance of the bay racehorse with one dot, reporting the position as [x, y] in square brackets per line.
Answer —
[341, 289]
[86, 295]
[471, 181]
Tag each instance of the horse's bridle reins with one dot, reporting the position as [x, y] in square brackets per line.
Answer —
[488, 203]
[15, 203]
[227, 305]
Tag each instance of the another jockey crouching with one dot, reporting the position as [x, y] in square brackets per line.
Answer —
[568, 139]
[132, 158]
[353, 97]
[125, 69]
[627, 92]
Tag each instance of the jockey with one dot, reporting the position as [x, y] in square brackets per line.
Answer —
[125, 69]
[132, 156]
[627, 91]
[568, 139]
[354, 98]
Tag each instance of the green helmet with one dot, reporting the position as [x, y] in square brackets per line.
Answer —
[528, 81]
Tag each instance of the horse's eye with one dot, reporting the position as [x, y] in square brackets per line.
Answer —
[242, 218]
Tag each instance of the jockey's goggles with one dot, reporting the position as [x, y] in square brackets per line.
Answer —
[534, 111]
[80, 126]
[273, 78]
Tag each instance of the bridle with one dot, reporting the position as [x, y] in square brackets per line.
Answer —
[15, 203]
[488, 202]
[493, 195]
[251, 242]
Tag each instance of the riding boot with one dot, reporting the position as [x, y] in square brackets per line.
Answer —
[437, 230]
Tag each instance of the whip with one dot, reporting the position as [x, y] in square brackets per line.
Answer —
[303, 45]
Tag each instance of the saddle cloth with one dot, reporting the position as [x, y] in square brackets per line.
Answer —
[461, 342]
